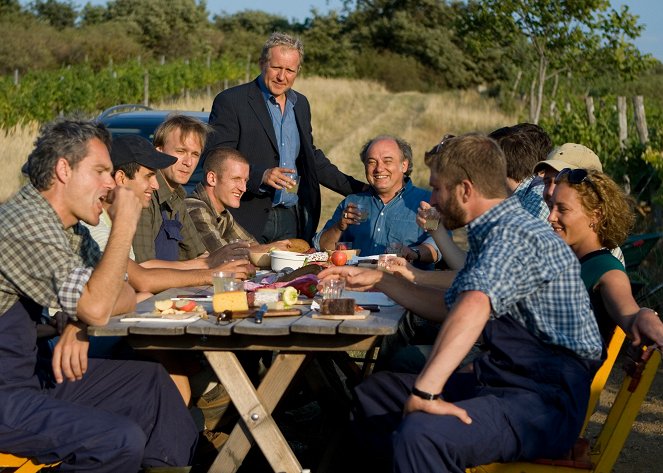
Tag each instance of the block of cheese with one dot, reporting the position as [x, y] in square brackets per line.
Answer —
[266, 296]
[235, 301]
[337, 306]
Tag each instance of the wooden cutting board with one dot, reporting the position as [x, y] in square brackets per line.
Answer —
[270, 313]
[359, 315]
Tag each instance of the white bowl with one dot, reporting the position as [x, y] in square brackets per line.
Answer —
[287, 259]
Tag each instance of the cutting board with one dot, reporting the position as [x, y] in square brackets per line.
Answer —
[270, 313]
[359, 315]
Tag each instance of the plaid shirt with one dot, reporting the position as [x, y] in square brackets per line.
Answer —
[215, 229]
[529, 273]
[530, 194]
[39, 259]
[151, 220]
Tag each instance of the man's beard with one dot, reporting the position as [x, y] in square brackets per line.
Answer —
[453, 215]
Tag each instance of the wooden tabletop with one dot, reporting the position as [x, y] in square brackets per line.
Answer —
[297, 329]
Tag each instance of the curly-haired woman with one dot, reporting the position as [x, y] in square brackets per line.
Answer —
[592, 214]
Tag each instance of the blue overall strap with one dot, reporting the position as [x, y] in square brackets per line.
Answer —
[167, 242]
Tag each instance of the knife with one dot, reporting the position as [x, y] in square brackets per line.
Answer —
[260, 314]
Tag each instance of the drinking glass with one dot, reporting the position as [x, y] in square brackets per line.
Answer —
[384, 262]
[362, 212]
[333, 288]
[220, 280]
[432, 217]
[295, 187]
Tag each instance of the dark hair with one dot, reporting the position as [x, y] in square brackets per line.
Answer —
[218, 156]
[541, 141]
[403, 146]
[129, 169]
[186, 124]
[64, 138]
[519, 152]
[474, 157]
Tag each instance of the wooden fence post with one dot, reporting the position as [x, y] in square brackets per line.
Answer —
[640, 119]
[162, 60]
[146, 89]
[589, 105]
[623, 128]
[16, 78]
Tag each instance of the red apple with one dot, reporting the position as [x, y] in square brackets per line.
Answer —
[187, 305]
[339, 258]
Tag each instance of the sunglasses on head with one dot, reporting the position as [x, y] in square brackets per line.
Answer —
[444, 139]
[577, 176]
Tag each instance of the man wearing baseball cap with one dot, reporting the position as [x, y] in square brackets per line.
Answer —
[572, 156]
[135, 162]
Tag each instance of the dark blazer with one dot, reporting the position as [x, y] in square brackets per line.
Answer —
[241, 120]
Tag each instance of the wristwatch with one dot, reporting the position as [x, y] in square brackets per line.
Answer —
[417, 252]
[424, 394]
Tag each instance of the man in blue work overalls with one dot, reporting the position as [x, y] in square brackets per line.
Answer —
[91, 414]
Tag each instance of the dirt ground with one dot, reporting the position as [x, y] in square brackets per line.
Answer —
[643, 451]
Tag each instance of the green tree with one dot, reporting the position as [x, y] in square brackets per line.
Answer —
[59, 15]
[579, 36]
[422, 30]
[174, 28]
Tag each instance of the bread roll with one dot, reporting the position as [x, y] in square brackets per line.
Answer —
[298, 245]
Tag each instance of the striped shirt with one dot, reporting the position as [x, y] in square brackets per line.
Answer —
[215, 229]
[101, 232]
[39, 259]
[531, 274]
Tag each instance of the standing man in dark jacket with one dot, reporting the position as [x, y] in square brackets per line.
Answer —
[270, 124]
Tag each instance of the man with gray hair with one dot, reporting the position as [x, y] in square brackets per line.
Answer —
[390, 204]
[270, 124]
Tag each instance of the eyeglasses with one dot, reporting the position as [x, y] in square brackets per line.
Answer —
[577, 176]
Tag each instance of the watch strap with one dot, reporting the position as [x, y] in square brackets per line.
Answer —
[424, 394]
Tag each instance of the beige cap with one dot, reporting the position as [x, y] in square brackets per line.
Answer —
[571, 155]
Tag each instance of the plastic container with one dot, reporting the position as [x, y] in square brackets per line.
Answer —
[287, 259]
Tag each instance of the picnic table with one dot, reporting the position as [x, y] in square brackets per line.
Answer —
[293, 338]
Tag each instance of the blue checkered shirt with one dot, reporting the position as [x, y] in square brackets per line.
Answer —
[530, 194]
[39, 259]
[529, 273]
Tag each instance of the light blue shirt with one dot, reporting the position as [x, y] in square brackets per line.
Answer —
[287, 137]
[394, 222]
[531, 274]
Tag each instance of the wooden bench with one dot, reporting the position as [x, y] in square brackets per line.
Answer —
[640, 367]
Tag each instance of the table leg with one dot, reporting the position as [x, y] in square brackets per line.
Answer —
[255, 408]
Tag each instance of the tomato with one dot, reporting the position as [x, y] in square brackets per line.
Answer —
[339, 258]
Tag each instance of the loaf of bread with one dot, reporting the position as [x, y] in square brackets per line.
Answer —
[298, 245]
[343, 306]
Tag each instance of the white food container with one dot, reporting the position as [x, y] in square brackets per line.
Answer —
[287, 259]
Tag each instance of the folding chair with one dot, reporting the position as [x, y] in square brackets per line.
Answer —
[640, 367]
[21, 465]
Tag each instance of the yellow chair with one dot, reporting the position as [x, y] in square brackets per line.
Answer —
[601, 376]
[21, 465]
[640, 367]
